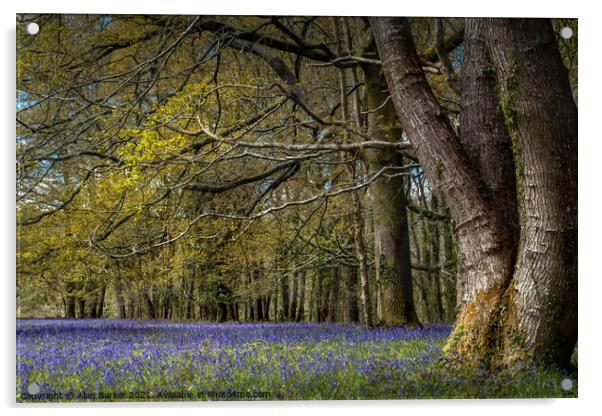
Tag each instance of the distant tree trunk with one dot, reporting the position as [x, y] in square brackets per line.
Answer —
[349, 288]
[70, 301]
[82, 307]
[357, 218]
[318, 295]
[70, 310]
[436, 263]
[426, 253]
[517, 303]
[234, 308]
[323, 303]
[165, 307]
[120, 299]
[332, 295]
[284, 298]
[131, 307]
[300, 315]
[313, 282]
[189, 298]
[449, 282]
[292, 297]
[149, 305]
[267, 299]
[100, 303]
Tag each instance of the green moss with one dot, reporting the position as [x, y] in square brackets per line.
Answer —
[455, 338]
[386, 272]
[439, 168]
[507, 106]
[516, 338]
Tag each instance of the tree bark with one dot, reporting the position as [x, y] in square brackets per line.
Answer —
[512, 307]
[541, 115]
[436, 262]
[395, 288]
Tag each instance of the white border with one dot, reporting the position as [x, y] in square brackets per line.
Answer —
[590, 154]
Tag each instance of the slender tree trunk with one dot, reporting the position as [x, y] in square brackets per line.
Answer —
[120, 298]
[70, 301]
[426, 276]
[356, 203]
[284, 299]
[292, 297]
[349, 297]
[300, 316]
[131, 307]
[81, 304]
[436, 261]
[100, 303]
[449, 271]
[149, 305]
[189, 298]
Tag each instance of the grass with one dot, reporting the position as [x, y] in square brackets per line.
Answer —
[149, 361]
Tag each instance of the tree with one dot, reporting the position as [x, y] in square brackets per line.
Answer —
[517, 287]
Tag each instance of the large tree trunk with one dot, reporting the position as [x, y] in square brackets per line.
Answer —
[482, 237]
[512, 307]
[396, 298]
[542, 116]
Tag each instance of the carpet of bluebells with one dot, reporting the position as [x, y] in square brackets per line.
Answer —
[111, 360]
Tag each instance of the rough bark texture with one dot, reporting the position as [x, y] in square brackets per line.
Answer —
[541, 113]
[395, 296]
[513, 304]
[481, 235]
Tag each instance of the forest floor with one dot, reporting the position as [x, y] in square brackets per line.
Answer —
[112, 360]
